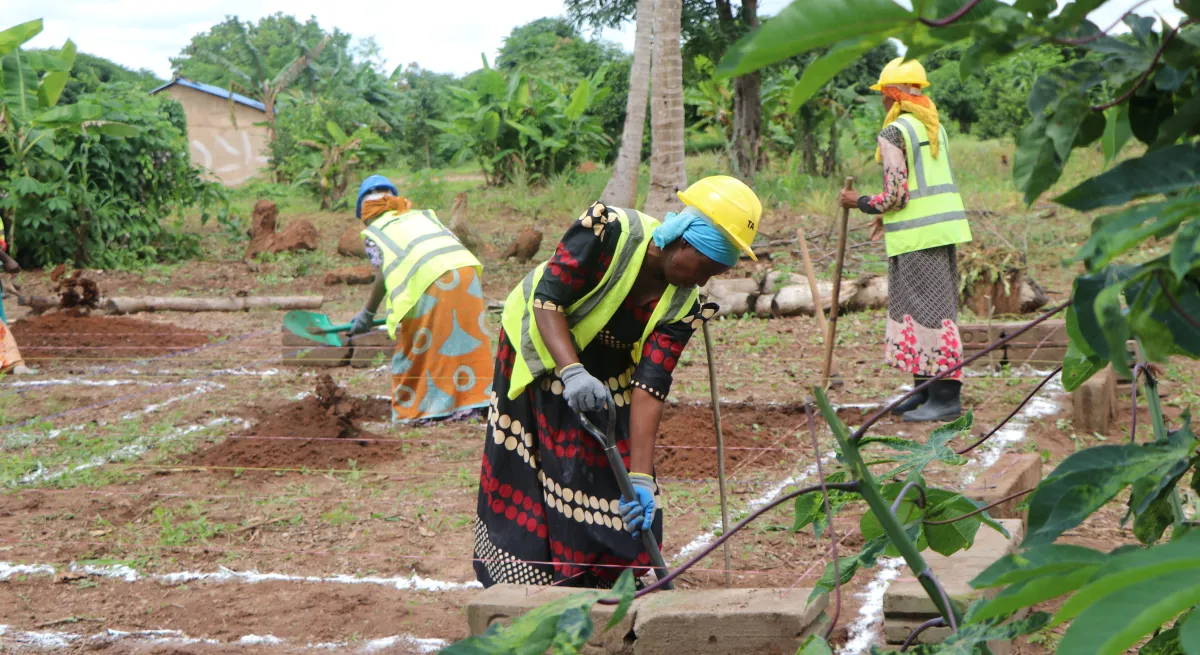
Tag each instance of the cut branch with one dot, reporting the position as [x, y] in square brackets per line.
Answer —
[936, 622]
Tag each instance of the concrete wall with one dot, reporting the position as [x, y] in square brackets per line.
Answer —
[230, 154]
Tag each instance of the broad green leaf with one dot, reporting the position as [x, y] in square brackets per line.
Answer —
[1159, 171]
[19, 85]
[1165, 643]
[67, 115]
[1055, 559]
[1181, 123]
[110, 128]
[339, 135]
[1145, 296]
[53, 82]
[1117, 621]
[490, 125]
[579, 101]
[1074, 12]
[625, 588]
[1115, 234]
[1130, 569]
[532, 633]
[814, 645]
[572, 631]
[827, 66]
[1028, 593]
[804, 26]
[15, 36]
[1149, 526]
[1035, 161]
[917, 456]
[1116, 133]
[1088, 479]
[975, 633]
[1115, 326]
[1189, 633]
[1185, 253]
[1078, 367]
[809, 508]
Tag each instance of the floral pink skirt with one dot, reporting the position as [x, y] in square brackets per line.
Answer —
[922, 334]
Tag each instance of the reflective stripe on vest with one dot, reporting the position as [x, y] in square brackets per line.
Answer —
[417, 250]
[591, 313]
[935, 215]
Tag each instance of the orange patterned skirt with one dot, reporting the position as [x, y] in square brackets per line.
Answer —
[10, 356]
[443, 360]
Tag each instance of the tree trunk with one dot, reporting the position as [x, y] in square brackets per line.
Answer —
[831, 163]
[622, 187]
[747, 110]
[667, 171]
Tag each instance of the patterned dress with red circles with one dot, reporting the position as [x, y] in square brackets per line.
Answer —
[547, 511]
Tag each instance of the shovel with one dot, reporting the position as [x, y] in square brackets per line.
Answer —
[609, 443]
[317, 327]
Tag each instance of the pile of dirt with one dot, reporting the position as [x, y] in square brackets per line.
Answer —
[321, 431]
[747, 430]
[298, 235]
[75, 291]
[75, 335]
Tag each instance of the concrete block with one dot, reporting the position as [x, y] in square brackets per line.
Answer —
[895, 631]
[368, 347]
[1094, 403]
[1012, 473]
[906, 598]
[976, 337]
[695, 622]
[502, 603]
[727, 621]
[299, 351]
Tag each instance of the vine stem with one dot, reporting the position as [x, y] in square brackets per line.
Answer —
[1010, 416]
[1146, 73]
[874, 418]
[982, 509]
[833, 543]
[952, 18]
[936, 622]
[904, 492]
[1175, 303]
[708, 550]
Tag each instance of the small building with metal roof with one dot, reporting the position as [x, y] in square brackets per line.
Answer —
[226, 130]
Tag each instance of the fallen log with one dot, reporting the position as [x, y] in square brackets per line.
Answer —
[232, 304]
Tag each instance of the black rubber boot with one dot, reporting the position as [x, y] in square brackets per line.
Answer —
[917, 399]
[943, 405]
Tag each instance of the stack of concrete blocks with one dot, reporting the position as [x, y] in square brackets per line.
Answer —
[906, 604]
[697, 622]
[364, 351]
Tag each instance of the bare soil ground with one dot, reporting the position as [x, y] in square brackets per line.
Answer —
[179, 445]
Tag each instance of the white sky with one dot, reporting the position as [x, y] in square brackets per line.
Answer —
[443, 37]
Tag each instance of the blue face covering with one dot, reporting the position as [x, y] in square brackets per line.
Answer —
[698, 230]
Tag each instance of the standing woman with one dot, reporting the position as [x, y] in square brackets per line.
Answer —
[11, 361]
[921, 217]
[435, 307]
[612, 311]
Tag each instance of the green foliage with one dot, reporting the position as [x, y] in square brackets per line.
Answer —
[332, 159]
[521, 126]
[423, 98]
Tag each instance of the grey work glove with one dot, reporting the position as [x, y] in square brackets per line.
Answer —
[583, 392]
[362, 323]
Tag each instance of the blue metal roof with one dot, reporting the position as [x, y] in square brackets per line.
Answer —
[215, 91]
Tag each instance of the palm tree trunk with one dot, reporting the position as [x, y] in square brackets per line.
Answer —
[667, 171]
[747, 110]
[621, 189]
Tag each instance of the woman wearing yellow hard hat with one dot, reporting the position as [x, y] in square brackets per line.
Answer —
[921, 216]
[611, 311]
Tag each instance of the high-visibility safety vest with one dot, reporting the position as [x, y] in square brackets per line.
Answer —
[417, 250]
[935, 215]
[588, 315]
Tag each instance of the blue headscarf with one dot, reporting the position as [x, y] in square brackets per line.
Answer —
[698, 230]
[370, 184]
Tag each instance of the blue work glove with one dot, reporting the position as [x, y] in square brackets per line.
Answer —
[583, 392]
[362, 323]
[639, 512]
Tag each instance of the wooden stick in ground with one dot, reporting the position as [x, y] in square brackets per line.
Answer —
[716, 407]
[818, 307]
[837, 285]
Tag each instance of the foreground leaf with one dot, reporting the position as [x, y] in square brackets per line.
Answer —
[827, 66]
[1116, 133]
[848, 566]
[1078, 368]
[917, 456]
[804, 26]
[15, 36]
[1119, 620]
[1159, 171]
[814, 645]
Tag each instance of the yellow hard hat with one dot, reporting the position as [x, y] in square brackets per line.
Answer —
[898, 71]
[731, 205]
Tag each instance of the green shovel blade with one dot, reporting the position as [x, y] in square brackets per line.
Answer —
[314, 327]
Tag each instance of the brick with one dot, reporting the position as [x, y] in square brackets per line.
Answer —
[502, 603]
[907, 598]
[1012, 473]
[299, 351]
[1042, 347]
[895, 631]
[368, 347]
[1094, 403]
[727, 621]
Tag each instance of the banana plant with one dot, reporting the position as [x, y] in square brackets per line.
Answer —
[334, 159]
[31, 84]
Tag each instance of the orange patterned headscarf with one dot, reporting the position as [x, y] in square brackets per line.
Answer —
[372, 209]
[919, 106]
